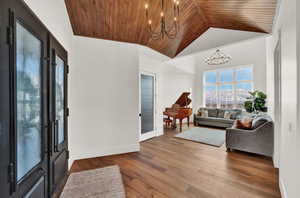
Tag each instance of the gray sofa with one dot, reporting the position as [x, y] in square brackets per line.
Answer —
[215, 117]
[259, 140]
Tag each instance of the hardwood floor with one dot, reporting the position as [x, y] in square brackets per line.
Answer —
[175, 168]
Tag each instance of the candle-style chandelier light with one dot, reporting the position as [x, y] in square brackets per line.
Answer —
[170, 30]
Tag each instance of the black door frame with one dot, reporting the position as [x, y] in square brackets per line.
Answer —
[4, 101]
[20, 14]
[12, 11]
[59, 153]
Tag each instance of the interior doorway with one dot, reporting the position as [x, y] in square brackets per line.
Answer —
[147, 105]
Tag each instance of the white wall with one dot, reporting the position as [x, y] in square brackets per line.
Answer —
[173, 78]
[215, 37]
[174, 84]
[103, 98]
[289, 136]
[250, 52]
[54, 15]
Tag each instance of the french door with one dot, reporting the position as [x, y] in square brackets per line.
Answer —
[30, 141]
[28, 104]
[148, 105]
[58, 139]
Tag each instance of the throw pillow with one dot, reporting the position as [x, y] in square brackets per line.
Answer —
[247, 123]
[200, 110]
[238, 124]
[204, 114]
[227, 115]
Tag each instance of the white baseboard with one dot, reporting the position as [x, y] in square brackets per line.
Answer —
[282, 188]
[70, 163]
[160, 132]
[112, 151]
[275, 161]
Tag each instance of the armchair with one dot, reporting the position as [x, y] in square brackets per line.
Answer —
[259, 140]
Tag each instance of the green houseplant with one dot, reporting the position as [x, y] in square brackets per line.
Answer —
[256, 102]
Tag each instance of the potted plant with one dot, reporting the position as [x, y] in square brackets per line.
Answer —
[256, 103]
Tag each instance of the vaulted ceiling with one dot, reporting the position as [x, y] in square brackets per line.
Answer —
[125, 20]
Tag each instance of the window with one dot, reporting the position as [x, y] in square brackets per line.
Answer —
[227, 88]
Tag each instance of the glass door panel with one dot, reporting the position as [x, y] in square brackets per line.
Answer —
[147, 103]
[28, 99]
[59, 99]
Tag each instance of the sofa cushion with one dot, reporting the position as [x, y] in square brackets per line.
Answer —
[259, 120]
[225, 121]
[227, 115]
[221, 113]
[212, 112]
[211, 119]
[235, 114]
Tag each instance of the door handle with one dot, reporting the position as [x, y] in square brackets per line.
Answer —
[52, 141]
[56, 136]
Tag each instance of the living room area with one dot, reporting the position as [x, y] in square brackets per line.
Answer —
[241, 101]
[231, 128]
[234, 87]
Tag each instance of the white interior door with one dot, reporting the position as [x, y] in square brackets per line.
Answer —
[148, 106]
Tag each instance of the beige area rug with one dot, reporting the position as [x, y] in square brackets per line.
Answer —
[99, 183]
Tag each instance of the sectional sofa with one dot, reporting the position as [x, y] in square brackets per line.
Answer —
[216, 117]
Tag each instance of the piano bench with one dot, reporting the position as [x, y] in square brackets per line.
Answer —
[168, 122]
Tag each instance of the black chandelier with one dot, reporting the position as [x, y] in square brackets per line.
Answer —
[170, 31]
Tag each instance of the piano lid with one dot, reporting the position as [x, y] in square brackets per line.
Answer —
[184, 100]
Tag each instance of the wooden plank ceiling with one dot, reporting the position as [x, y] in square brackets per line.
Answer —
[125, 20]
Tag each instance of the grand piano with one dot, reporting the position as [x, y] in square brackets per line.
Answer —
[180, 110]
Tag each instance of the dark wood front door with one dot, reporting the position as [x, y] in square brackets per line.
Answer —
[33, 105]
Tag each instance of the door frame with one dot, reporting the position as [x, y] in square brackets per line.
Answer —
[154, 133]
[58, 153]
[277, 99]
[37, 176]
[35, 182]
[5, 120]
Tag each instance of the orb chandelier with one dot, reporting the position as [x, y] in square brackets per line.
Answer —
[170, 30]
[218, 58]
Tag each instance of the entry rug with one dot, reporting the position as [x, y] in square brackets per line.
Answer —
[99, 183]
[214, 137]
